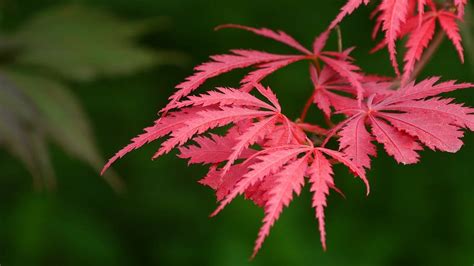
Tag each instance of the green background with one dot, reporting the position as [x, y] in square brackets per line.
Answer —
[416, 215]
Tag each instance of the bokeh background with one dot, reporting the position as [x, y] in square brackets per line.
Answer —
[84, 77]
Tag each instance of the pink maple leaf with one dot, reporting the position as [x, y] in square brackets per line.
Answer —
[220, 64]
[279, 36]
[332, 89]
[403, 120]
[460, 5]
[277, 173]
[420, 38]
[394, 14]
[346, 10]
[206, 112]
[398, 18]
[339, 61]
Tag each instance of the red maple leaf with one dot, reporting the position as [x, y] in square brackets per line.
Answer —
[275, 174]
[266, 64]
[420, 37]
[333, 90]
[399, 18]
[421, 30]
[411, 116]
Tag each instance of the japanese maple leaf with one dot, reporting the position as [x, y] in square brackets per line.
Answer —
[214, 151]
[161, 128]
[420, 31]
[420, 38]
[199, 114]
[217, 153]
[397, 18]
[266, 64]
[460, 6]
[262, 129]
[346, 10]
[273, 175]
[333, 90]
[270, 176]
[220, 65]
[411, 116]
[394, 12]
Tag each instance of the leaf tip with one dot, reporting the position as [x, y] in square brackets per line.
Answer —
[227, 26]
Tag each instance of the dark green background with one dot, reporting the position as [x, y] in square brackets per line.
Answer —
[416, 215]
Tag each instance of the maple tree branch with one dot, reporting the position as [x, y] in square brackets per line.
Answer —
[306, 107]
[310, 100]
[317, 65]
[437, 40]
[339, 39]
[328, 121]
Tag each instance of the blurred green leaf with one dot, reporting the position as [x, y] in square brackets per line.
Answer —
[62, 117]
[467, 30]
[56, 45]
[81, 43]
[23, 134]
[65, 120]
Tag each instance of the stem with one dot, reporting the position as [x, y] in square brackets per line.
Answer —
[328, 121]
[317, 65]
[339, 39]
[306, 107]
[437, 40]
[310, 100]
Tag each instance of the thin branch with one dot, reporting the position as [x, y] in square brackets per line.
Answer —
[328, 121]
[437, 40]
[339, 39]
[306, 107]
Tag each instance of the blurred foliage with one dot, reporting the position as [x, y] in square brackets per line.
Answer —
[80, 43]
[467, 31]
[56, 46]
[418, 215]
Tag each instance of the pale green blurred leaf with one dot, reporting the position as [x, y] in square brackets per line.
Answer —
[467, 30]
[62, 117]
[22, 133]
[65, 120]
[55, 45]
[81, 43]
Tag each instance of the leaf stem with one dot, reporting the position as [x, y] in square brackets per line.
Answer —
[437, 40]
[306, 107]
[310, 100]
[339, 39]
[328, 121]
[317, 65]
